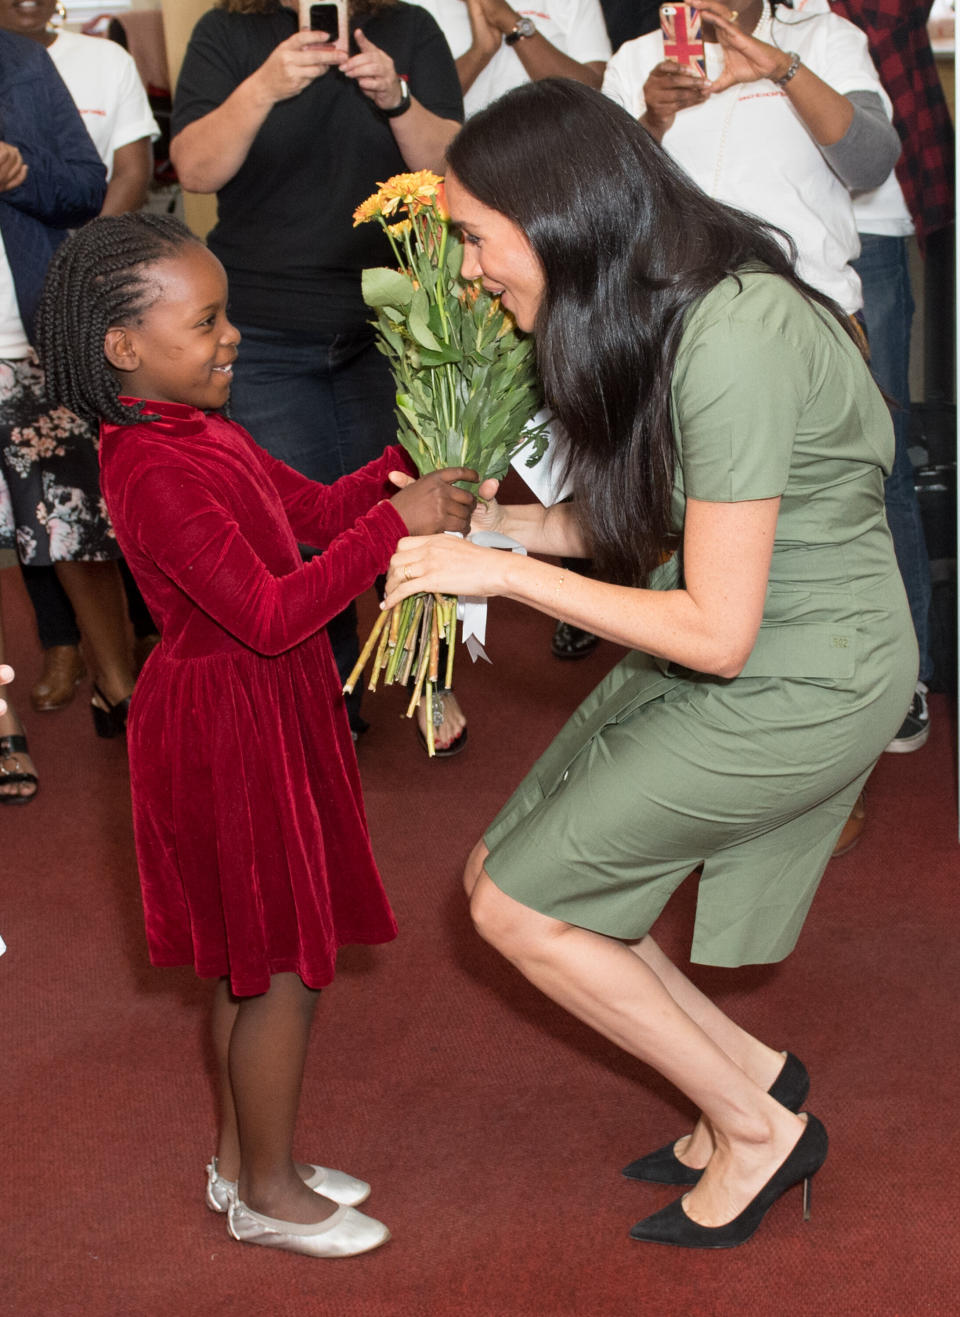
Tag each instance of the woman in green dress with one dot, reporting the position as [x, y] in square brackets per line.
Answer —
[727, 449]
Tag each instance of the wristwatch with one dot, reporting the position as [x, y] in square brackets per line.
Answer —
[525, 28]
[405, 101]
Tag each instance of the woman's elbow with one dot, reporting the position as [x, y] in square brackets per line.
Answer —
[192, 173]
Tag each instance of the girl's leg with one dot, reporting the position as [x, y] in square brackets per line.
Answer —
[266, 1055]
[616, 992]
[95, 590]
[223, 1018]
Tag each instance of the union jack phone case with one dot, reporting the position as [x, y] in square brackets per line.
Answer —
[683, 37]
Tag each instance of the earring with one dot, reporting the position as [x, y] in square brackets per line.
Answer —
[60, 19]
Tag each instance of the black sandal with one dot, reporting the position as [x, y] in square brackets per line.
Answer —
[10, 746]
[569, 642]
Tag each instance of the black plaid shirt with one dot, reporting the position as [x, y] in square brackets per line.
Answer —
[900, 46]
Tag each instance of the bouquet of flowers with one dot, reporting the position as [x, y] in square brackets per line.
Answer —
[466, 391]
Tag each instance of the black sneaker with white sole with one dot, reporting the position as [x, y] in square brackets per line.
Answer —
[916, 726]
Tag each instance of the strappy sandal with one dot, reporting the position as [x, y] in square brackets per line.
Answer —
[11, 746]
[458, 742]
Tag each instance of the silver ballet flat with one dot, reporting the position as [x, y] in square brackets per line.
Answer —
[342, 1235]
[336, 1185]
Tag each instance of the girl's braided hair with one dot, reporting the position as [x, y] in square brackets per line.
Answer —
[99, 278]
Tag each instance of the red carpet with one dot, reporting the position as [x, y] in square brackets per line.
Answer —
[492, 1126]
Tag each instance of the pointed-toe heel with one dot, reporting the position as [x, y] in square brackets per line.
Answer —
[673, 1226]
[790, 1089]
[339, 1187]
[110, 721]
[343, 1235]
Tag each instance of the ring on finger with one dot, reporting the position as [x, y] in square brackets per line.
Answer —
[407, 573]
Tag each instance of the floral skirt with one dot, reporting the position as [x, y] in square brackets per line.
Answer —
[51, 508]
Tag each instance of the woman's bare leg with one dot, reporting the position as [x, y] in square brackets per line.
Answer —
[603, 983]
[266, 1055]
[755, 1058]
[95, 590]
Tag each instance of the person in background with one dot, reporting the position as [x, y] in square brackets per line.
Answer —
[292, 135]
[106, 88]
[627, 19]
[917, 198]
[497, 47]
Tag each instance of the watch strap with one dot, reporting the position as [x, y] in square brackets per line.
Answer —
[405, 102]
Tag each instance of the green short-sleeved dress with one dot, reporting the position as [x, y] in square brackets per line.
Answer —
[661, 768]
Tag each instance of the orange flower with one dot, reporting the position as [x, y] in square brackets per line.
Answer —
[400, 228]
[367, 210]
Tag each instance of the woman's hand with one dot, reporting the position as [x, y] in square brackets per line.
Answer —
[445, 565]
[374, 73]
[745, 59]
[294, 64]
[12, 169]
[669, 89]
[434, 503]
[486, 36]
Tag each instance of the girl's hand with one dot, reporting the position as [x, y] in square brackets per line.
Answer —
[294, 64]
[445, 565]
[374, 73]
[745, 59]
[488, 514]
[434, 503]
[669, 89]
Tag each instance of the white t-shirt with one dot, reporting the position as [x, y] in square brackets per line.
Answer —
[13, 339]
[575, 27]
[748, 147]
[103, 80]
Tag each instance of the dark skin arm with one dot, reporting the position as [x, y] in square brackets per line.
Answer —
[490, 21]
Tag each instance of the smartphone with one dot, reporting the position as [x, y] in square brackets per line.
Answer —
[683, 37]
[330, 17]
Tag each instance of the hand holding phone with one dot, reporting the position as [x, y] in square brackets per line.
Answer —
[330, 17]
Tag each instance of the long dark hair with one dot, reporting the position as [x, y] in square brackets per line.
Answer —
[627, 243]
[97, 279]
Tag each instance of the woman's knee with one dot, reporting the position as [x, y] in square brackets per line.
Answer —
[474, 866]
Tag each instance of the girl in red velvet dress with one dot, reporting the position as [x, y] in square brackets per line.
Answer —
[252, 845]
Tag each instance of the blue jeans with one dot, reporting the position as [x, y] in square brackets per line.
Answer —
[888, 313]
[324, 405]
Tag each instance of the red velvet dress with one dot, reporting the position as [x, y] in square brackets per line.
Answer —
[251, 838]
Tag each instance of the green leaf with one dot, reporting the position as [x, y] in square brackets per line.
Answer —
[382, 287]
[417, 322]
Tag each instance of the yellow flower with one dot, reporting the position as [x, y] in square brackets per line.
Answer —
[367, 210]
[416, 190]
[400, 228]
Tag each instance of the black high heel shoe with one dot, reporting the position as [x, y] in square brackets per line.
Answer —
[790, 1089]
[111, 721]
[673, 1226]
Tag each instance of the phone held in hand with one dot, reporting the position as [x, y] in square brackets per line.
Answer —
[329, 17]
[683, 37]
